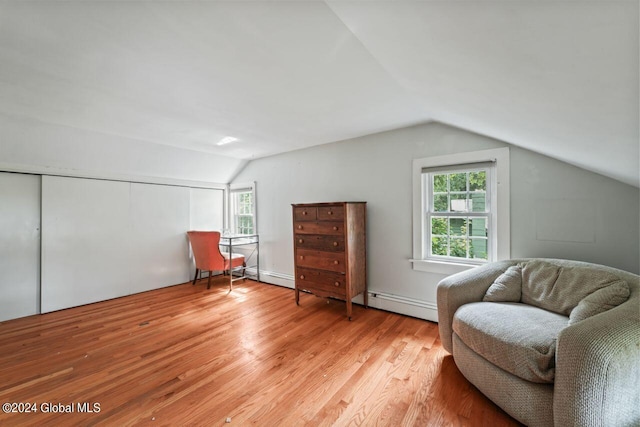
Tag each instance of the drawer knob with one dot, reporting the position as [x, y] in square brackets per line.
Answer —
[301, 241]
[336, 262]
[335, 243]
[330, 212]
[335, 228]
[299, 227]
[301, 256]
[304, 212]
[302, 277]
[337, 283]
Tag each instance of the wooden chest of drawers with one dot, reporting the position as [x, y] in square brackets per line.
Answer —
[329, 241]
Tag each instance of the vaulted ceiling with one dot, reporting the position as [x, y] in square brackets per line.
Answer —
[557, 77]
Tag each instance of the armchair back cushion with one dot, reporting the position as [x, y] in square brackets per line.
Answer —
[561, 288]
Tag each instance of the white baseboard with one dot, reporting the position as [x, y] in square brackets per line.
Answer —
[402, 305]
[280, 279]
[381, 300]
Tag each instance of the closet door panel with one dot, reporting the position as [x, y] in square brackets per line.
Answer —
[207, 209]
[85, 236]
[19, 245]
[158, 240]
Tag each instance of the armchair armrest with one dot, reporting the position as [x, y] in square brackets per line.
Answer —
[598, 369]
[462, 288]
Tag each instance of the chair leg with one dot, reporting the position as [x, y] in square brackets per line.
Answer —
[209, 281]
[195, 277]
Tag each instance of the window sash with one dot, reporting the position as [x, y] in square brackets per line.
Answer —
[430, 212]
[243, 206]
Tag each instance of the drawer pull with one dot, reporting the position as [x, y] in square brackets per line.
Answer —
[335, 243]
[335, 228]
[301, 256]
[330, 212]
[299, 227]
[304, 212]
[336, 262]
[337, 283]
[302, 277]
[301, 241]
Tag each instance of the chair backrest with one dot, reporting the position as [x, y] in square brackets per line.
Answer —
[206, 250]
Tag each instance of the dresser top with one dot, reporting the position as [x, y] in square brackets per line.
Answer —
[324, 203]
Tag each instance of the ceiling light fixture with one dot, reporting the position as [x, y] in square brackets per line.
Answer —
[227, 140]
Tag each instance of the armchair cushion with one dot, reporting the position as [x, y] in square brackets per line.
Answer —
[560, 288]
[507, 287]
[600, 301]
[524, 346]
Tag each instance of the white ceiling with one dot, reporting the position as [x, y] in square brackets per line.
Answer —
[557, 77]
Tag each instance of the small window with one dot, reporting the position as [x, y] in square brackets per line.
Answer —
[242, 210]
[460, 210]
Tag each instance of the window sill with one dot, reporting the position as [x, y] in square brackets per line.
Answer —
[440, 267]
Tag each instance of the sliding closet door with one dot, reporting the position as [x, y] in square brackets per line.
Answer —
[158, 239]
[207, 209]
[85, 232]
[19, 245]
[107, 239]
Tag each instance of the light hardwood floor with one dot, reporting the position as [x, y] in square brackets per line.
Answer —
[185, 355]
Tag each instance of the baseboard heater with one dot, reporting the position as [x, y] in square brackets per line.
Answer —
[403, 300]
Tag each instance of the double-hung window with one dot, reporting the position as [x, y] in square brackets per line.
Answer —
[242, 207]
[458, 213]
[461, 210]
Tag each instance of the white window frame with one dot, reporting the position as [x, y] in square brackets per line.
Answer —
[241, 188]
[499, 246]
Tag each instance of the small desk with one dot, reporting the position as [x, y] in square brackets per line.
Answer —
[235, 241]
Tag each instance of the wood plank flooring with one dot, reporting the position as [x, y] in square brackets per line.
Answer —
[185, 355]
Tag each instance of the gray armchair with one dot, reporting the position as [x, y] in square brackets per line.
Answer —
[565, 351]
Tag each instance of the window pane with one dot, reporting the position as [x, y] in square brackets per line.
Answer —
[478, 248]
[440, 203]
[478, 181]
[478, 227]
[439, 246]
[439, 226]
[458, 181]
[459, 203]
[459, 247]
[458, 226]
[440, 183]
[478, 202]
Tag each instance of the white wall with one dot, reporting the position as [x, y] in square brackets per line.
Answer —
[37, 147]
[377, 169]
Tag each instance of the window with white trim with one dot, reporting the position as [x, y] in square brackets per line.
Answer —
[242, 209]
[460, 210]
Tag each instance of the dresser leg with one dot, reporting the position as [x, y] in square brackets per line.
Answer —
[349, 307]
[297, 296]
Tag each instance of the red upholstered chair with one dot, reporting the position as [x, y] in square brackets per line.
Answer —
[206, 251]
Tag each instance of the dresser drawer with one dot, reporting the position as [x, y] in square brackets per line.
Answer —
[321, 243]
[321, 282]
[333, 261]
[334, 228]
[331, 213]
[305, 214]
